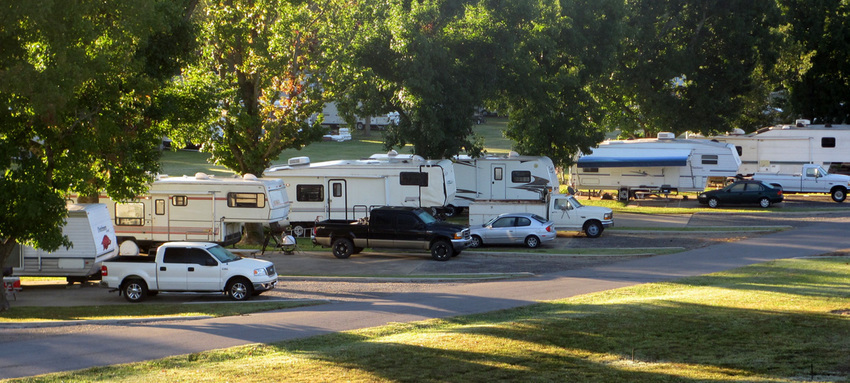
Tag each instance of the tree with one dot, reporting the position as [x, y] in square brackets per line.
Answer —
[549, 87]
[76, 84]
[816, 61]
[697, 65]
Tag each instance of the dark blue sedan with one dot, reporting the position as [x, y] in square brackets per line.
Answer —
[742, 192]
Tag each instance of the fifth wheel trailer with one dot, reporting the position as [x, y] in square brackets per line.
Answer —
[662, 165]
[89, 228]
[349, 189]
[200, 208]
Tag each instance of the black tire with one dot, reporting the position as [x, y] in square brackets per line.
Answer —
[342, 248]
[713, 202]
[357, 250]
[134, 290]
[476, 242]
[450, 211]
[532, 241]
[764, 202]
[839, 195]
[239, 289]
[441, 250]
[360, 126]
[593, 229]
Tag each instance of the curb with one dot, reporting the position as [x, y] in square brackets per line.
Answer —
[95, 322]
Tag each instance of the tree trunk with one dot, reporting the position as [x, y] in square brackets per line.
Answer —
[6, 248]
[367, 128]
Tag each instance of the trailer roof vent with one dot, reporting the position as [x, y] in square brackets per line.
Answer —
[202, 176]
[802, 123]
[249, 177]
[666, 135]
[513, 154]
[737, 132]
[299, 161]
[392, 153]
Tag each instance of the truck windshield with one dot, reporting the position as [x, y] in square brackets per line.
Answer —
[425, 217]
[222, 254]
[574, 202]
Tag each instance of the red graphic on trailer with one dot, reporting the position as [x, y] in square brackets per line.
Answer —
[105, 242]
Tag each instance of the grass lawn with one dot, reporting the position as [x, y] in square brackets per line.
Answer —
[774, 322]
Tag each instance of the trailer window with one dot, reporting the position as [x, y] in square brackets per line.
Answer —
[179, 200]
[590, 170]
[310, 193]
[740, 150]
[246, 200]
[129, 214]
[337, 189]
[413, 178]
[497, 174]
[827, 142]
[523, 176]
[159, 207]
[709, 159]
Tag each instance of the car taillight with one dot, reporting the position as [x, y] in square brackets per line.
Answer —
[779, 192]
[549, 228]
[103, 271]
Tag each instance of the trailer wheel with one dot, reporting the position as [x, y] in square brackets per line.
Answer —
[441, 250]
[135, 290]
[342, 248]
[714, 202]
[532, 242]
[764, 202]
[450, 211]
[593, 229]
[239, 289]
[623, 195]
[839, 194]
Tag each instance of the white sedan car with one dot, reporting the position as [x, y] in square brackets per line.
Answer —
[513, 228]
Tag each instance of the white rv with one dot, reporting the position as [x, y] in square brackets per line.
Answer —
[89, 227]
[349, 189]
[662, 165]
[511, 177]
[200, 208]
[785, 148]
[332, 118]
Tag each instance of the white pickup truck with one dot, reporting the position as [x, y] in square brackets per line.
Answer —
[563, 209]
[188, 266]
[813, 179]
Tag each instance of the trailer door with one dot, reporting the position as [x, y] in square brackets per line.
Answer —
[338, 199]
[497, 181]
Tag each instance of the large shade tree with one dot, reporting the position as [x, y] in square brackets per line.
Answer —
[78, 84]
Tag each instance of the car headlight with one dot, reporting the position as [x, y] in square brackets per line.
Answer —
[458, 235]
[608, 216]
[260, 272]
[701, 195]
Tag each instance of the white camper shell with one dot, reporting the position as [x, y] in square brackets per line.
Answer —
[662, 165]
[511, 177]
[349, 189]
[785, 149]
[89, 228]
[201, 208]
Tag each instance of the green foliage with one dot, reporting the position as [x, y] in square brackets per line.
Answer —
[260, 64]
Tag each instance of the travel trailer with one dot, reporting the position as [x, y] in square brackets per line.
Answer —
[89, 227]
[201, 208]
[662, 165]
[785, 148]
[511, 177]
[332, 118]
[349, 189]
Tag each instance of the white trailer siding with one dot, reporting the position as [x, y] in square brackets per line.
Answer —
[348, 189]
[655, 165]
[200, 208]
[89, 228]
[785, 148]
[511, 177]
[482, 211]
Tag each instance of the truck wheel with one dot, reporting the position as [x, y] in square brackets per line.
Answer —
[441, 250]
[714, 202]
[839, 195]
[764, 202]
[450, 211]
[239, 289]
[342, 248]
[532, 241]
[593, 229]
[476, 241]
[134, 290]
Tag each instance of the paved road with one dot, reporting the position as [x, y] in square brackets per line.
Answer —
[130, 343]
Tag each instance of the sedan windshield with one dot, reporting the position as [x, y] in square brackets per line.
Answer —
[222, 254]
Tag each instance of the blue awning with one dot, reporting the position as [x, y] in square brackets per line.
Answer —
[626, 158]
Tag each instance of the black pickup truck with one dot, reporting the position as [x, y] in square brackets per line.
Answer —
[393, 227]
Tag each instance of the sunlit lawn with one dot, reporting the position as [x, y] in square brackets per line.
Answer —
[774, 322]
